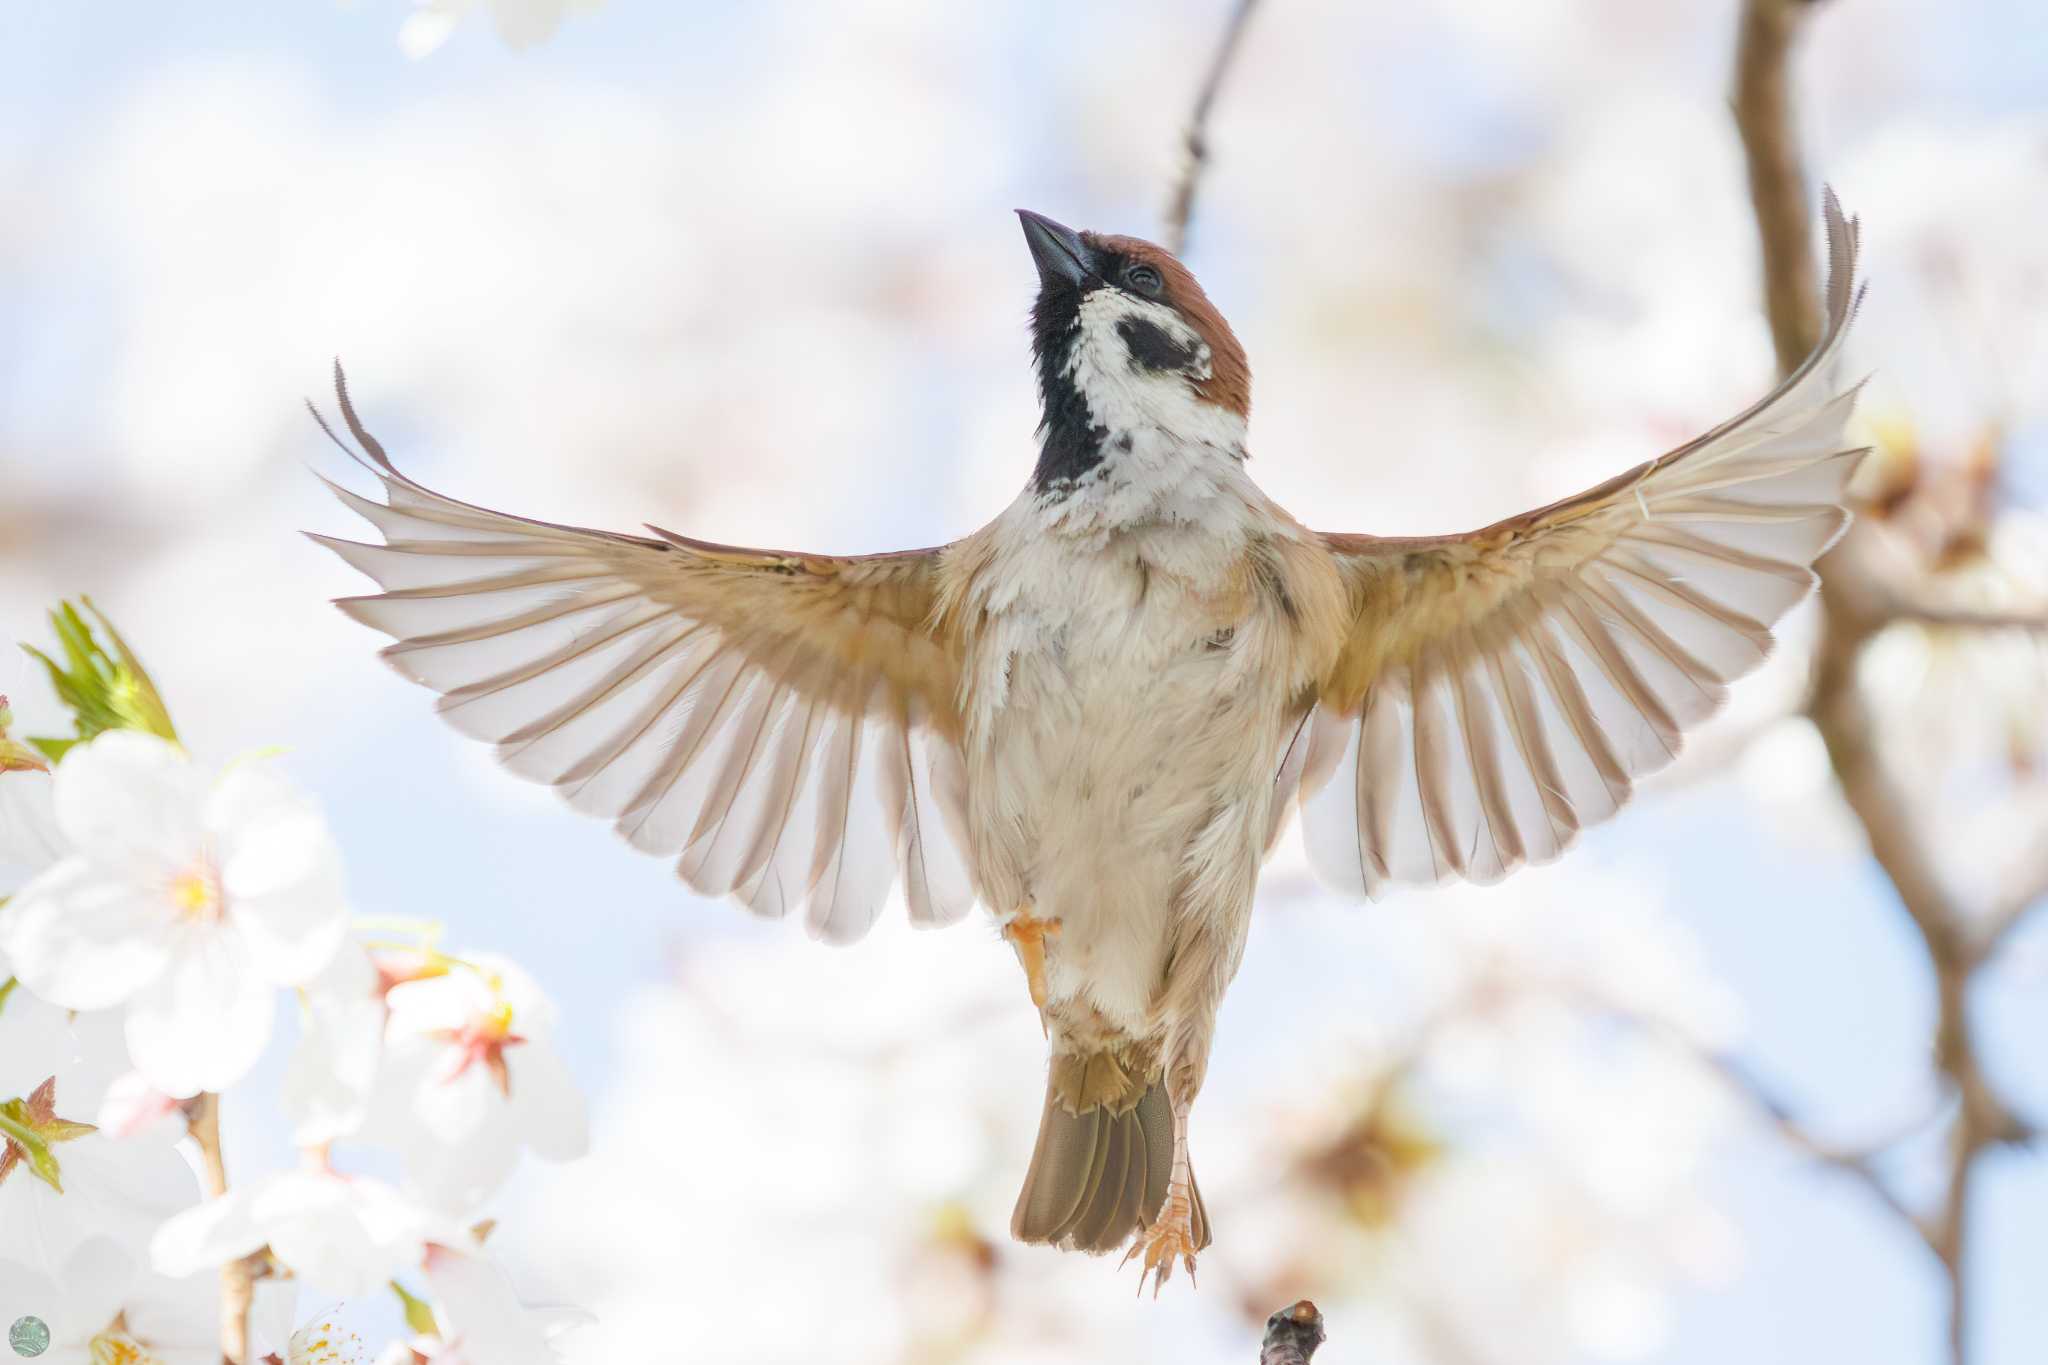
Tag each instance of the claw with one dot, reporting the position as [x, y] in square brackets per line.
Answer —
[1172, 1237]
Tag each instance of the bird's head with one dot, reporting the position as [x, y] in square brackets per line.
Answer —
[1125, 340]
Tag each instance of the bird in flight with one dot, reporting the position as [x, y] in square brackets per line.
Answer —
[1095, 715]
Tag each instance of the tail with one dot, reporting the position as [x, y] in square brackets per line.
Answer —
[1099, 1175]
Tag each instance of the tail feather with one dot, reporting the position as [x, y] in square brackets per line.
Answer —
[1098, 1176]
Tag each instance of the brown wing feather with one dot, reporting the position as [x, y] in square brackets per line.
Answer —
[784, 724]
[1501, 690]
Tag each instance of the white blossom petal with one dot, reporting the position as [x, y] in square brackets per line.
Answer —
[273, 1308]
[203, 1024]
[75, 1297]
[177, 1320]
[29, 838]
[280, 872]
[134, 1108]
[128, 799]
[332, 1077]
[480, 1315]
[460, 1176]
[533, 1013]
[347, 1235]
[36, 1042]
[437, 1003]
[207, 1236]
[85, 937]
[452, 1107]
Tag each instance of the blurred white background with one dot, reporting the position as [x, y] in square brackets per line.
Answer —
[749, 272]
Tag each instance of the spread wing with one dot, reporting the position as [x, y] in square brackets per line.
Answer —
[1500, 691]
[785, 725]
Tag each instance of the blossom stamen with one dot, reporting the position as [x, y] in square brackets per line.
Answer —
[196, 892]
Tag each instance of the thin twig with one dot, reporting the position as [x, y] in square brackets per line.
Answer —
[1858, 1163]
[236, 1286]
[1180, 207]
[1754, 1091]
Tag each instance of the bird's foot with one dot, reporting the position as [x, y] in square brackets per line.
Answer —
[1171, 1237]
[1029, 933]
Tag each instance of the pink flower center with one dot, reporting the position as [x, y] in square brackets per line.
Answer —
[482, 1041]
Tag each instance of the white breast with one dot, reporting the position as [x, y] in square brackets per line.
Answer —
[1114, 715]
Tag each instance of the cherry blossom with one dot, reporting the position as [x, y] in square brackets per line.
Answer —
[471, 1076]
[186, 899]
[340, 1234]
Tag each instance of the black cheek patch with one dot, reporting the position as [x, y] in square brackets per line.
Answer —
[1151, 348]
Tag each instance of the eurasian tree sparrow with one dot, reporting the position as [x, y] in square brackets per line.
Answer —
[1095, 715]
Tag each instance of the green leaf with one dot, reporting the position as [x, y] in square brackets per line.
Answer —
[105, 687]
[418, 1315]
[16, 1128]
[7, 986]
[30, 1128]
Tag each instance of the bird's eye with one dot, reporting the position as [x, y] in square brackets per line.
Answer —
[1142, 278]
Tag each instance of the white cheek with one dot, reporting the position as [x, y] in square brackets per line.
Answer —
[1125, 396]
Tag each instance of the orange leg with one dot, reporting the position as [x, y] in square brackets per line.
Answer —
[1172, 1235]
[1027, 934]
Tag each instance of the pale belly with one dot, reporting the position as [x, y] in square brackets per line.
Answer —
[1132, 756]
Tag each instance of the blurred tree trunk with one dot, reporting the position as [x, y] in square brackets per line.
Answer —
[1957, 940]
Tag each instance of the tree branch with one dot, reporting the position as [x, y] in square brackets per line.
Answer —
[1777, 184]
[1180, 206]
[1292, 1335]
[237, 1286]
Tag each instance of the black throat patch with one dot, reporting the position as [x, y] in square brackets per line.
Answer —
[1070, 439]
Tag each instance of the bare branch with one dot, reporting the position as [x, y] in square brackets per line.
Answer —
[1180, 207]
[1292, 1335]
[1754, 1091]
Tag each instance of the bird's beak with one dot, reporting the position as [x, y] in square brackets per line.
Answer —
[1061, 254]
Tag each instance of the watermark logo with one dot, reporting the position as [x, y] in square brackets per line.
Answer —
[29, 1336]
